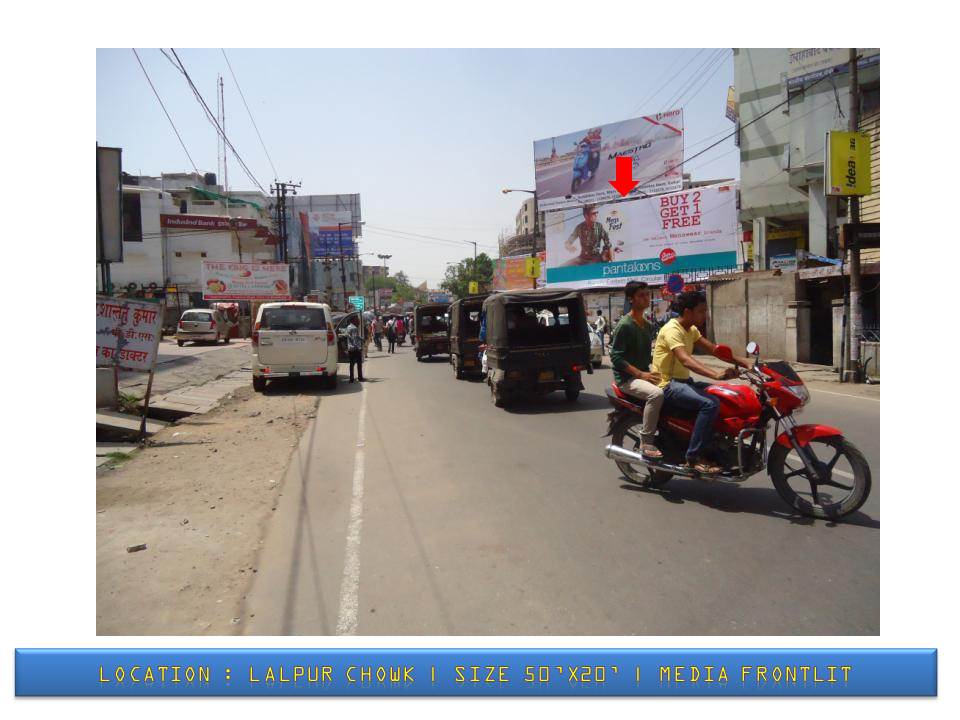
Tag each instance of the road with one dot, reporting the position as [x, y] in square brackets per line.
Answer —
[416, 507]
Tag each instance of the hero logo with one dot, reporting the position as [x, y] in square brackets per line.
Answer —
[667, 256]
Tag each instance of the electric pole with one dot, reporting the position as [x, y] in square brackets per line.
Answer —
[853, 212]
[280, 190]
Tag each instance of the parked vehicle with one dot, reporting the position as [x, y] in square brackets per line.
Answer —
[294, 339]
[526, 356]
[430, 331]
[814, 468]
[202, 325]
[464, 337]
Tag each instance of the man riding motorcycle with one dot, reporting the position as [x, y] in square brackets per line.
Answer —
[673, 359]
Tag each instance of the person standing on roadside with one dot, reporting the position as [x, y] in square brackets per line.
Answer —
[601, 325]
[378, 332]
[355, 350]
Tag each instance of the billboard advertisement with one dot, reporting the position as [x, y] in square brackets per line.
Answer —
[109, 205]
[328, 233]
[574, 169]
[509, 273]
[808, 64]
[689, 232]
[245, 281]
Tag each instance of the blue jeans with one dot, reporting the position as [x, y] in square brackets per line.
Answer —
[691, 395]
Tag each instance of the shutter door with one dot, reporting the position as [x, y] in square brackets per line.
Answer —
[870, 204]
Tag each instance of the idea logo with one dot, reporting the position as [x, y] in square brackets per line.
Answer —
[667, 256]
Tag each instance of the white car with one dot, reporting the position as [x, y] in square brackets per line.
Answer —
[294, 339]
[202, 325]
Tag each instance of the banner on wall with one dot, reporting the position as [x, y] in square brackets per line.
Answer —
[510, 273]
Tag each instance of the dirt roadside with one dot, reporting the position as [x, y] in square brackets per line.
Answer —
[199, 497]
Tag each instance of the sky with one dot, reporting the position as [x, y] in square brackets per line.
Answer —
[427, 137]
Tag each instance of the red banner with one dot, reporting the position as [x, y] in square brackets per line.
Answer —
[206, 222]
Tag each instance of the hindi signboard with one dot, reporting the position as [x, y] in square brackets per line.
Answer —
[690, 232]
[128, 333]
[245, 281]
[574, 169]
[807, 64]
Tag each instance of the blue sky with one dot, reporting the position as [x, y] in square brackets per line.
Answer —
[427, 137]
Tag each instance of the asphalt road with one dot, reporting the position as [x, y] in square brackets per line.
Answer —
[416, 507]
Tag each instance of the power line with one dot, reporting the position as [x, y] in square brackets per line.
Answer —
[163, 107]
[694, 78]
[649, 98]
[719, 64]
[427, 237]
[263, 144]
[213, 121]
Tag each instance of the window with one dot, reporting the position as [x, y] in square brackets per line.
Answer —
[203, 254]
[178, 254]
[197, 316]
[542, 324]
[132, 227]
[293, 318]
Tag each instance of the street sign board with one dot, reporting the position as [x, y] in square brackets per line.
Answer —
[357, 301]
[531, 267]
[473, 287]
[109, 206]
[128, 333]
[675, 284]
[847, 164]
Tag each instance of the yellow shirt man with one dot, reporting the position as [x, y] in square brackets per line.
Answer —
[671, 336]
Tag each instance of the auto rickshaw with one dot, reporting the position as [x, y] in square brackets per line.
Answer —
[465, 335]
[528, 355]
[430, 329]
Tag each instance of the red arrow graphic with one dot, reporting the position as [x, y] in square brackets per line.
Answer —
[624, 181]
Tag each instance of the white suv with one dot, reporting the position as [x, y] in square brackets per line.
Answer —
[294, 339]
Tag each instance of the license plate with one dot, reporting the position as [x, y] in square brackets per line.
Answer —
[295, 374]
[545, 375]
[293, 339]
[469, 363]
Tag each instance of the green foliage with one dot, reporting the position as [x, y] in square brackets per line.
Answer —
[458, 277]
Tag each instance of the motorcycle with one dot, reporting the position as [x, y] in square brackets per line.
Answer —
[804, 461]
[581, 169]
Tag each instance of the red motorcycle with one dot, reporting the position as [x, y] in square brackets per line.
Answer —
[814, 468]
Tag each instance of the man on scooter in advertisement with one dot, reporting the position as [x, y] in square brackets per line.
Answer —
[673, 359]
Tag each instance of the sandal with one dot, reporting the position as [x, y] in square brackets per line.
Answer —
[651, 451]
[703, 467]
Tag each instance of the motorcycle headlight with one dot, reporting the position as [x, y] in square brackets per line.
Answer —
[801, 392]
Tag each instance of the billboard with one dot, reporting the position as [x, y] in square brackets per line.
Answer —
[574, 169]
[328, 233]
[109, 206]
[245, 281]
[689, 232]
[509, 273]
[847, 163]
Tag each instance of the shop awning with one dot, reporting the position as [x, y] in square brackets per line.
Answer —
[209, 195]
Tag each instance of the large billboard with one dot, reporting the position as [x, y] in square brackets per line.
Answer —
[808, 64]
[328, 233]
[245, 281]
[690, 232]
[574, 169]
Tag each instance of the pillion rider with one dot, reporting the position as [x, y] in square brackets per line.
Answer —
[673, 359]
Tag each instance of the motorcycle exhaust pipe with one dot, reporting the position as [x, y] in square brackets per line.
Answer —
[615, 452]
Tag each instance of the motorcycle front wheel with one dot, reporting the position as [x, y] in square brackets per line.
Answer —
[627, 435]
[846, 473]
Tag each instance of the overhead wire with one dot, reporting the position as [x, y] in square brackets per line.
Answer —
[693, 79]
[163, 107]
[650, 98]
[213, 121]
[250, 114]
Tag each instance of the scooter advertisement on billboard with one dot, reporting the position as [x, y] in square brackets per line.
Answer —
[574, 169]
[685, 232]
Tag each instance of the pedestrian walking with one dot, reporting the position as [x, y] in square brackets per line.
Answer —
[391, 330]
[400, 329]
[355, 350]
[601, 325]
[378, 332]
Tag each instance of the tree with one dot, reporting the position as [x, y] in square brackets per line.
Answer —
[458, 277]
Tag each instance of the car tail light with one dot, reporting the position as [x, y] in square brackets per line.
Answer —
[320, 369]
[578, 368]
[213, 324]
[255, 338]
[180, 325]
[265, 371]
[330, 338]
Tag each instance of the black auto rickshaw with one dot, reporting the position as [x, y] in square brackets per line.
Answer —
[465, 335]
[430, 329]
[537, 342]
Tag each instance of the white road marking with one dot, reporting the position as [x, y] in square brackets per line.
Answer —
[350, 585]
[856, 397]
[794, 456]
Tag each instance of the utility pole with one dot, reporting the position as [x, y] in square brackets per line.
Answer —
[853, 213]
[384, 258]
[343, 272]
[280, 190]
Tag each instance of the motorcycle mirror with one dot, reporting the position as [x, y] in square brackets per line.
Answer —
[724, 353]
[753, 348]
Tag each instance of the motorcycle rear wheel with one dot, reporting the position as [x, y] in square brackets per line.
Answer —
[627, 435]
[784, 465]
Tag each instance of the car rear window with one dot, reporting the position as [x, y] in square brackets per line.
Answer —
[197, 316]
[293, 318]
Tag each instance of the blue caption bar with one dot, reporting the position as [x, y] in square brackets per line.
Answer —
[477, 672]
